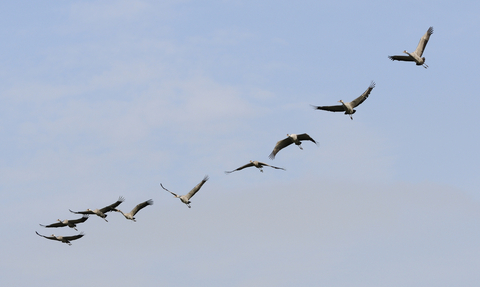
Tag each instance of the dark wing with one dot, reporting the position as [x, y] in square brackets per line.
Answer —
[47, 237]
[169, 190]
[79, 220]
[423, 42]
[363, 97]
[56, 224]
[280, 145]
[196, 188]
[305, 137]
[82, 212]
[140, 206]
[401, 58]
[337, 108]
[242, 167]
[69, 238]
[262, 163]
[113, 205]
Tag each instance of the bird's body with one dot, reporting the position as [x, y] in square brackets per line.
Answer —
[348, 108]
[70, 223]
[64, 239]
[291, 138]
[416, 56]
[186, 198]
[256, 164]
[136, 209]
[101, 212]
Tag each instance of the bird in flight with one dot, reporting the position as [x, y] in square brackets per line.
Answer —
[136, 209]
[70, 223]
[64, 239]
[186, 198]
[348, 108]
[256, 164]
[416, 56]
[292, 138]
[101, 212]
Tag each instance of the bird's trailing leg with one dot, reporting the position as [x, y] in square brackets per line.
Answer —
[75, 229]
[425, 66]
[351, 117]
[105, 219]
[300, 146]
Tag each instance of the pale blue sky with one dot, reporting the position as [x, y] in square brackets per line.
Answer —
[107, 98]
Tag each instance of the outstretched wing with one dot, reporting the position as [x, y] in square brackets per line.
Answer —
[337, 108]
[113, 205]
[82, 212]
[363, 97]
[74, 237]
[140, 206]
[401, 58]
[280, 145]
[47, 237]
[262, 163]
[242, 167]
[306, 137]
[56, 224]
[79, 220]
[196, 188]
[174, 194]
[423, 42]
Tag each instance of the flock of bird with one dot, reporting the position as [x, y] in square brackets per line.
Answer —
[99, 212]
[347, 108]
